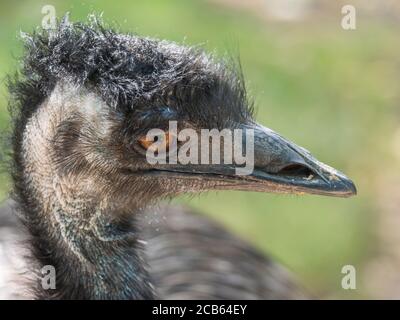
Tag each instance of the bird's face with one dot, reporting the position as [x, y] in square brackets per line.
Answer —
[159, 99]
[272, 163]
[161, 144]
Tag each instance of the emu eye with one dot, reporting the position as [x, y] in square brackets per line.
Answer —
[160, 143]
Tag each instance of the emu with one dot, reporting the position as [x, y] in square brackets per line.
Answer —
[87, 198]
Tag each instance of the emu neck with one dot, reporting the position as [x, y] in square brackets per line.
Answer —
[96, 252]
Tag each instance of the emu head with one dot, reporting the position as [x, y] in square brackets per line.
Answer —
[101, 92]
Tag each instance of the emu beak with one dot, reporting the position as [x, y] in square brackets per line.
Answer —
[285, 167]
[278, 166]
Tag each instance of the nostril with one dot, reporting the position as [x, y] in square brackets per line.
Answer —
[296, 170]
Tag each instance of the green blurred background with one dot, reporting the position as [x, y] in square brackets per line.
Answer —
[332, 91]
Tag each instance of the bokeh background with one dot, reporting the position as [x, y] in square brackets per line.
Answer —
[333, 91]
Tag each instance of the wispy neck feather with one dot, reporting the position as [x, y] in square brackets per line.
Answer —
[96, 253]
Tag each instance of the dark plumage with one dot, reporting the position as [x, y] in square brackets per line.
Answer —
[83, 188]
[131, 72]
[189, 257]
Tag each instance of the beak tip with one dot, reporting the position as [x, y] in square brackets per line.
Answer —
[349, 188]
[352, 188]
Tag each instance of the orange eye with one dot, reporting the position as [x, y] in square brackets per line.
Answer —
[145, 142]
[159, 143]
